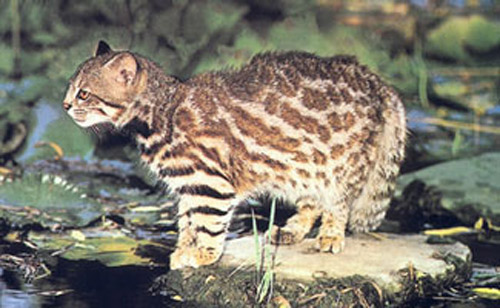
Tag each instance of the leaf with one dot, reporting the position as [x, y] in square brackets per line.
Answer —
[451, 89]
[449, 231]
[458, 141]
[210, 278]
[146, 209]
[46, 199]
[59, 151]
[78, 235]
[5, 171]
[489, 293]
[483, 35]
[6, 59]
[110, 248]
[281, 302]
[452, 38]
[177, 298]
[478, 225]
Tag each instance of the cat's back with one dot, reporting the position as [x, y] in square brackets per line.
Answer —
[317, 83]
[299, 94]
[294, 117]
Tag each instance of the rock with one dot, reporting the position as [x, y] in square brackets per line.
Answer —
[471, 182]
[365, 255]
[370, 272]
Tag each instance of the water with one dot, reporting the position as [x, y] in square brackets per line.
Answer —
[90, 284]
[45, 113]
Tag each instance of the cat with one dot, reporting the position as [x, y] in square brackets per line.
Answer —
[324, 133]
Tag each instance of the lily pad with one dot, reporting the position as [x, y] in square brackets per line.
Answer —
[111, 248]
[469, 186]
[46, 199]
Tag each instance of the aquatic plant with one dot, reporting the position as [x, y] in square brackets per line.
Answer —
[46, 199]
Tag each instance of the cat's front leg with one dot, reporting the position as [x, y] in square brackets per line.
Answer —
[204, 216]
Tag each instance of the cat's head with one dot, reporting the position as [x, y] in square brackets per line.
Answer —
[104, 87]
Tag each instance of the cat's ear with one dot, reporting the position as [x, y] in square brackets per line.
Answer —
[122, 68]
[102, 48]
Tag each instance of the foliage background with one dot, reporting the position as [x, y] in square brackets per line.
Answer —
[441, 55]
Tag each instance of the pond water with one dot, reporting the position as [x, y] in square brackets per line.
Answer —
[84, 284]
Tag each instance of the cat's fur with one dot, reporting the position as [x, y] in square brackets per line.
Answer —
[324, 133]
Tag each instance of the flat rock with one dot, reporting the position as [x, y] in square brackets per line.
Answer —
[365, 255]
[464, 182]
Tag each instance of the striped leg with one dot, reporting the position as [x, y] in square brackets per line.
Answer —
[204, 216]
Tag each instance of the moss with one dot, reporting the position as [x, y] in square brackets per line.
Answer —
[419, 287]
[221, 287]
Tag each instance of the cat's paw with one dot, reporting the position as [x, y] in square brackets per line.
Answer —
[194, 257]
[284, 236]
[330, 243]
[207, 255]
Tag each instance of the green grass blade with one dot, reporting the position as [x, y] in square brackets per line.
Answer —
[257, 242]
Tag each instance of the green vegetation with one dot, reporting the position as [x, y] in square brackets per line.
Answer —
[44, 41]
[264, 261]
[460, 38]
[46, 199]
[112, 248]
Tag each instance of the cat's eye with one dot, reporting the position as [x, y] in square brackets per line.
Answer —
[83, 95]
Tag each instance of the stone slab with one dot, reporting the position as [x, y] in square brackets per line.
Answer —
[364, 255]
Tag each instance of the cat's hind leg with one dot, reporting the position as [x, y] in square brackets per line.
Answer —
[331, 236]
[297, 226]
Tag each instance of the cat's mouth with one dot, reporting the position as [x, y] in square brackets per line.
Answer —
[85, 118]
[79, 115]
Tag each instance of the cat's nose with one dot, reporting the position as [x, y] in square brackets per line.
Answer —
[66, 106]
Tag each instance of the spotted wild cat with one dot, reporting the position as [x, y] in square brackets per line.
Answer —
[323, 133]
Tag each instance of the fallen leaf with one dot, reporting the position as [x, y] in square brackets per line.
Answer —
[5, 171]
[78, 235]
[59, 151]
[489, 293]
[210, 279]
[146, 209]
[449, 231]
[281, 302]
[177, 298]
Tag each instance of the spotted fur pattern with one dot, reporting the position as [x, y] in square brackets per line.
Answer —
[324, 133]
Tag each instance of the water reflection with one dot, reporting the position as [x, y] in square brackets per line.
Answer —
[45, 113]
[13, 294]
[91, 285]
